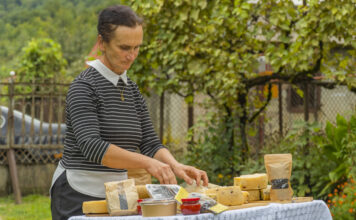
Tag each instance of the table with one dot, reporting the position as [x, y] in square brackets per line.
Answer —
[315, 210]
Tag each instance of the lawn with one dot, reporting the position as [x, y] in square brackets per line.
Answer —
[33, 207]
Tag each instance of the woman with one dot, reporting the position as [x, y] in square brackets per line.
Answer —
[107, 121]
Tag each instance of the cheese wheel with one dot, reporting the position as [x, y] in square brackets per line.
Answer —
[254, 195]
[212, 193]
[252, 181]
[95, 207]
[230, 196]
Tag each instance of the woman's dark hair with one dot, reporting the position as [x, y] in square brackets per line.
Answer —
[112, 17]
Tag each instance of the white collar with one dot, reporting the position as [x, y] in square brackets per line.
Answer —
[107, 73]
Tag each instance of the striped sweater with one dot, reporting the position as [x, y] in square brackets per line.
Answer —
[97, 117]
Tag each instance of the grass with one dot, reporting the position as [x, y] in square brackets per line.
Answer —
[33, 207]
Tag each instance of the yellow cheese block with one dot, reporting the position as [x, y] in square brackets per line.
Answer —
[254, 195]
[95, 207]
[142, 192]
[246, 195]
[230, 195]
[265, 193]
[212, 193]
[212, 190]
[252, 181]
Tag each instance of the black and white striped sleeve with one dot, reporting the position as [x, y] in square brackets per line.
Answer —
[150, 141]
[82, 108]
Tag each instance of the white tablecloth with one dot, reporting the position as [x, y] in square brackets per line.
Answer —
[315, 210]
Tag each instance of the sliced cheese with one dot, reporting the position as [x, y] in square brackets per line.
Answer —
[254, 195]
[95, 207]
[252, 181]
[265, 193]
[246, 195]
[230, 196]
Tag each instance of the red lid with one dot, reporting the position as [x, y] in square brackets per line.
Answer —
[139, 200]
[191, 199]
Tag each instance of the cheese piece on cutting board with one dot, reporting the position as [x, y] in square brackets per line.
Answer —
[251, 181]
[230, 196]
[254, 195]
[95, 207]
[213, 192]
[265, 193]
[246, 195]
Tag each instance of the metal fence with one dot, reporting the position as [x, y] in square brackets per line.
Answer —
[37, 129]
[32, 122]
[318, 104]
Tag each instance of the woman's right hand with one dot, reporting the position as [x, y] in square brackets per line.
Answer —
[161, 171]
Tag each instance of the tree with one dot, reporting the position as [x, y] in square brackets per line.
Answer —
[41, 62]
[213, 47]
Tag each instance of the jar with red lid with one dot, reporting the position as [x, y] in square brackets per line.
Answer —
[139, 211]
[190, 206]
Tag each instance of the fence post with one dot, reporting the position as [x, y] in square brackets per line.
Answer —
[306, 102]
[191, 119]
[280, 107]
[161, 117]
[10, 141]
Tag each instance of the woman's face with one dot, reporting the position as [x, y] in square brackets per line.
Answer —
[122, 49]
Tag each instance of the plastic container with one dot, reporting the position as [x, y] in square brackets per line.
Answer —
[190, 206]
[152, 207]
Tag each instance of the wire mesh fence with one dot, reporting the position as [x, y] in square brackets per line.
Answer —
[38, 117]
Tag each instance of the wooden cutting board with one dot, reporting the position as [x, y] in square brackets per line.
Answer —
[264, 203]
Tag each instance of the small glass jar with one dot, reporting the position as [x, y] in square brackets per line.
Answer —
[139, 211]
[190, 206]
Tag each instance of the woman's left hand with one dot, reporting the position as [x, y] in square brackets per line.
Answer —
[189, 173]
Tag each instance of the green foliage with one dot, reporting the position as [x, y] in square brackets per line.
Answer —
[342, 202]
[304, 142]
[216, 150]
[70, 23]
[41, 61]
[33, 207]
[322, 158]
[340, 146]
[213, 48]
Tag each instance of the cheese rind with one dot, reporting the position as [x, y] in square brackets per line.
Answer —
[252, 181]
[95, 207]
[230, 196]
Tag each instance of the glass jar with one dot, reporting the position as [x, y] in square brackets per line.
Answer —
[190, 206]
[139, 211]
